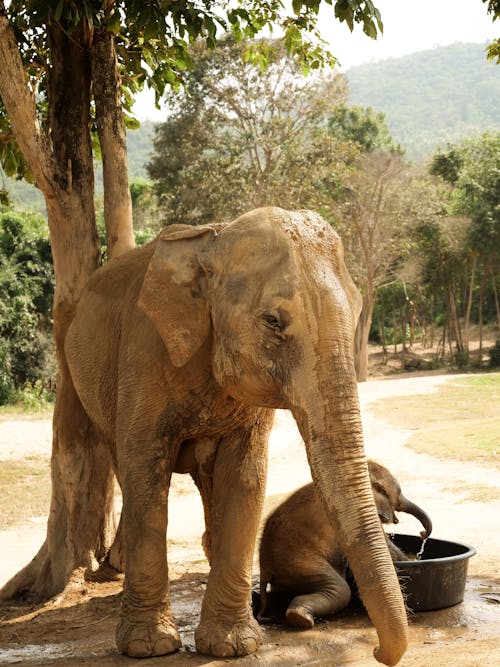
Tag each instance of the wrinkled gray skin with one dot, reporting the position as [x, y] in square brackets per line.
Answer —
[179, 350]
[300, 554]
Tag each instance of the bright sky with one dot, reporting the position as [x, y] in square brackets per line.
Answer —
[409, 26]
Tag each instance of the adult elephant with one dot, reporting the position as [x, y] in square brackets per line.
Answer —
[186, 344]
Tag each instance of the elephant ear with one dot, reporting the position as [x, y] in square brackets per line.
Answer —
[172, 294]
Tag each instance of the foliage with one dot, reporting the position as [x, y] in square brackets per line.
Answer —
[495, 355]
[452, 275]
[239, 137]
[477, 193]
[494, 47]
[144, 210]
[473, 169]
[152, 42]
[385, 199]
[362, 125]
[26, 288]
[432, 97]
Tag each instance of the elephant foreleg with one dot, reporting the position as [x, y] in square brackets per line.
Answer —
[327, 593]
[145, 626]
[227, 626]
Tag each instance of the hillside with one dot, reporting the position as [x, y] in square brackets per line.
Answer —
[431, 97]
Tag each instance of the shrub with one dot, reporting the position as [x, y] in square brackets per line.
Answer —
[495, 355]
[26, 289]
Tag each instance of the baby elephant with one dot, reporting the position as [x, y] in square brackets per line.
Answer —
[300, 554]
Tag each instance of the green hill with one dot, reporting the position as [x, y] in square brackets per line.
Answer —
[431, 97]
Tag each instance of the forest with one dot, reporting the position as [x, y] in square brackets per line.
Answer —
[422, 236]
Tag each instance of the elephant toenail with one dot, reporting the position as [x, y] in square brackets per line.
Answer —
[251, 645]
[165, 645]
[138, 649]
[225, 650]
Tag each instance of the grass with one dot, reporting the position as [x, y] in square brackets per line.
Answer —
[8, 412]
[461, 421]
[476, 493]
[24, 490]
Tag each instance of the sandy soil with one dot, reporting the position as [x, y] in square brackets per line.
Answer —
[78, 629]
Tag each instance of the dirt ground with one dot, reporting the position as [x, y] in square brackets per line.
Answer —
[77, 629]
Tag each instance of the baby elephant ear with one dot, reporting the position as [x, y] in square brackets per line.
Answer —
[172, 294]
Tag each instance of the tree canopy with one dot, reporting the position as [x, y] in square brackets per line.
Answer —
[239, 137]
[152, 43]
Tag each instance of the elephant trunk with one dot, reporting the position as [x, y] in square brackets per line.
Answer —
[330, 423]
[410, 507]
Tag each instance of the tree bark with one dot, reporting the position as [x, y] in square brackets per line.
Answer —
[362, 335]
[455, 330]
[112, 139]
[480, 315]
[81, 522]
[19, 101]
[468, 309]
[497, 300]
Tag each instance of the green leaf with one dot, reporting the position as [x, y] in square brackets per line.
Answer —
[10, 164]
[370, 29]
[59, 10]
[131, 123]
[113, 24]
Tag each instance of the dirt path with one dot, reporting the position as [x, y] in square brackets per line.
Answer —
[79, 631]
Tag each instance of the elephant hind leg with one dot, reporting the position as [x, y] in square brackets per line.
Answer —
[327, 593]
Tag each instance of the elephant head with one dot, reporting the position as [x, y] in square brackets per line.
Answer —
[389, 498]
[270, 296]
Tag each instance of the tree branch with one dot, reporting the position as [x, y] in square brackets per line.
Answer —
[20, 104]
[111, 130]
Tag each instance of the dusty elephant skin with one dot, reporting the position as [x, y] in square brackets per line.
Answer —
[300, 555]
[179, 350]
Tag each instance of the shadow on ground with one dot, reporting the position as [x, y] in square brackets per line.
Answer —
[77, 629]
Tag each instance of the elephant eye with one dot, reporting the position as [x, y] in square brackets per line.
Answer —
[271, 320]
[380, 489]
[276, 320]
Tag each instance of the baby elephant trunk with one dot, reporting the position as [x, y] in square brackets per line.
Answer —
[409, 507]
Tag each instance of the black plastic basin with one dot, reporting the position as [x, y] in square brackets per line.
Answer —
[438, 579]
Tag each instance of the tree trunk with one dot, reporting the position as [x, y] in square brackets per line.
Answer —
[497, 301]
[394, 324]
[468, 310]
[383, 335]
[112, 139]
[456, 332]
[362, 335]
[402, 321]
[20, 105]
[433, 331]
[81, 523]
[480, 315]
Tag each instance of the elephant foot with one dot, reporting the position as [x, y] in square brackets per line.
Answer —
[227, 641]
[299, 617]
[105, 572]
[143, 639]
